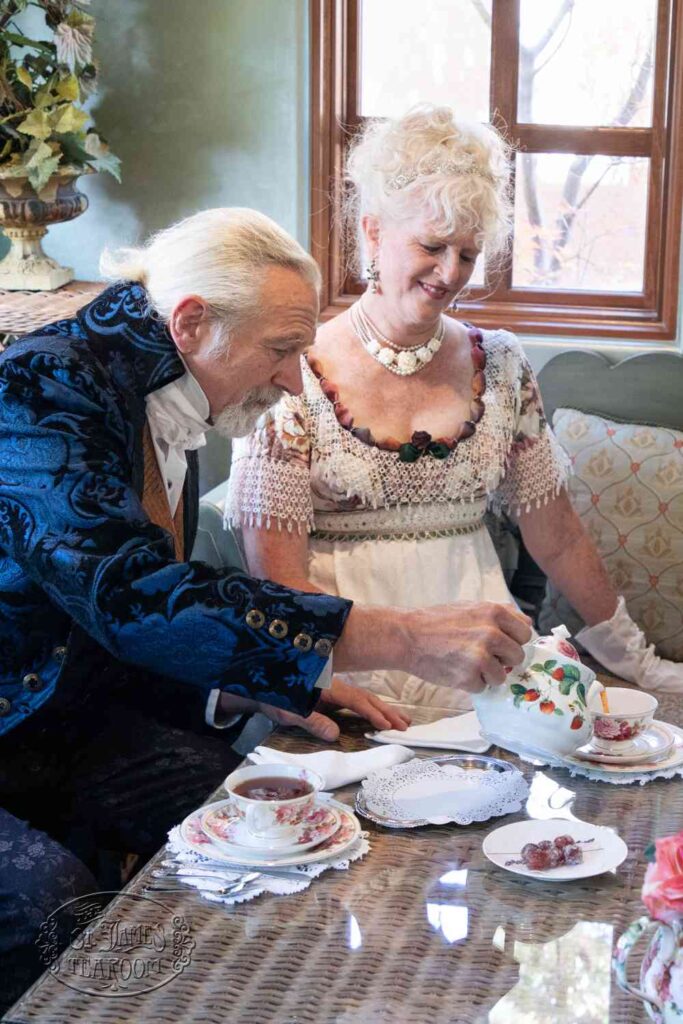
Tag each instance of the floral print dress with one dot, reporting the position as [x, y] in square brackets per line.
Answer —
[386, 531]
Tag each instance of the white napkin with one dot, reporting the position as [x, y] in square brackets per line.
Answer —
[337, 768]
[459, 733]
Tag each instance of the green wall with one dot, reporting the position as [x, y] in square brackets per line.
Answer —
[202, 101]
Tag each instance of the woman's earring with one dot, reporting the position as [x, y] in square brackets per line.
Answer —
[372, 274]
[454, 304]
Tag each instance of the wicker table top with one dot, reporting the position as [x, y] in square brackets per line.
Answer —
[424, 930]
[23, 312]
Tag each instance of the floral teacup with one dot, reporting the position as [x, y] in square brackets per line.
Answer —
[267, 817]
[630, 713]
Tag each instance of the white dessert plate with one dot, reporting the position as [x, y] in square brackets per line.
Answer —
[347, 833]
[603, 850]
[224, 826]
[672, 760]
[654, 744]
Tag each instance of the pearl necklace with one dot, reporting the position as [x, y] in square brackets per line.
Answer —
[401, 361]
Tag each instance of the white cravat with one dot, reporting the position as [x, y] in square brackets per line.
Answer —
[178, 417]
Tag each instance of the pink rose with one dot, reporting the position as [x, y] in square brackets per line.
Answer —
[663, 884]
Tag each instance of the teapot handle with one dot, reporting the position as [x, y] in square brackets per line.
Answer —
[624, 947]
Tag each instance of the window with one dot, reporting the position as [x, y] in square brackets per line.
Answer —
[590, 92]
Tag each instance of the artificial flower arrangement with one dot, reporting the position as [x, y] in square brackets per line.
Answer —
[43, 127]
[661, 969]
[662, 891]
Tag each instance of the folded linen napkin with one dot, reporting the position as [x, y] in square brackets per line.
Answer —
[458, 733]
[337, 768]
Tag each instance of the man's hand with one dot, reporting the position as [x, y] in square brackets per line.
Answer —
[465, 645]
[364, 703]
[341, 695]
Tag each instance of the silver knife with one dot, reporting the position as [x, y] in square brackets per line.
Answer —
[219, 868]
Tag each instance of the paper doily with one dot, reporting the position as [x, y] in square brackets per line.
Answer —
[444, 793]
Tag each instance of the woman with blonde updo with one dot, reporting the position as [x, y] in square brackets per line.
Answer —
[373, 483]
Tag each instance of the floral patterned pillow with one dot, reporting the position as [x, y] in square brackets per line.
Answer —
[627, 486]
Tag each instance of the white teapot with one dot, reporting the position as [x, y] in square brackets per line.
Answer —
[540, 709]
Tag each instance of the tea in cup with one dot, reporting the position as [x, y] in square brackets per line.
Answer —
[630, 713]
[273, 799]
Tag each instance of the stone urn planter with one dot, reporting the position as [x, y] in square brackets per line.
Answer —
[24, 217]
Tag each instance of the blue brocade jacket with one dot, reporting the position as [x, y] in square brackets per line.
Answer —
[86, 580]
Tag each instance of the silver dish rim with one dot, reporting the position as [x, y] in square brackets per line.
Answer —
[478, 761]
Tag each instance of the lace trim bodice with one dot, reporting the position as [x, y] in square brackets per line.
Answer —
[300, 463]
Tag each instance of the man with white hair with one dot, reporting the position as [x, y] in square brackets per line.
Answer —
[120, 658]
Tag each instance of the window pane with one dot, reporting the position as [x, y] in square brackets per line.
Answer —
[592, 66]
[580, 222]
[437, 52]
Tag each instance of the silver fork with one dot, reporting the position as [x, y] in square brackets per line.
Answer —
[246, 882]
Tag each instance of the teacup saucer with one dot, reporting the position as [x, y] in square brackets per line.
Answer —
[223, 826]
[653, 744]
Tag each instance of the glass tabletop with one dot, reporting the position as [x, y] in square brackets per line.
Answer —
[423, 930]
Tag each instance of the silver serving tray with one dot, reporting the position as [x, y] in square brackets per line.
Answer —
[479, 761]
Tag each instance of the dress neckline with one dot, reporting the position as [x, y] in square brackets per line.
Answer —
[421, 442]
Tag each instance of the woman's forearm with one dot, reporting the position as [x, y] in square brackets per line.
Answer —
[579, 573]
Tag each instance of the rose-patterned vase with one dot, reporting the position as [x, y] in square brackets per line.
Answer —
[661, 970]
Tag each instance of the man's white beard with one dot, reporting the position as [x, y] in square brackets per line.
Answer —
[240, 419]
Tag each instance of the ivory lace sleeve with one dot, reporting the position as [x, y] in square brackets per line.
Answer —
[270, 475]
[537, 467]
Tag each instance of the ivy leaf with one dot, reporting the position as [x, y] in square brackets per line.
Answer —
[37, 124]
[24, 77]
[41, 172]
[73, 148]
[67, 88]
[100, 155]
[517, 688]
[548, 666]
[40, 163]
[68, 118]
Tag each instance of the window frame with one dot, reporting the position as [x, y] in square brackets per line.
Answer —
[650, 315]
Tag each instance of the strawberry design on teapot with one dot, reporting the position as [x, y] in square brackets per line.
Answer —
[540, 709]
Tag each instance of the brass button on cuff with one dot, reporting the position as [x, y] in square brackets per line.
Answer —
[255, 618]
[32, 682]
[323, 648]
[278, 629]
[303, 642]
[59, 653]
[5, 706]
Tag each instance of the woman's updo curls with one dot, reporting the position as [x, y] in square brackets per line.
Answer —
[425, 161]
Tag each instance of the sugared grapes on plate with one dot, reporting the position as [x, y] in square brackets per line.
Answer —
[564, 851]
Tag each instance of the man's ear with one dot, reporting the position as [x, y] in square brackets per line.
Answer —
[184, 323]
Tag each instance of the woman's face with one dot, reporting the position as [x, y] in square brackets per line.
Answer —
[421, 272]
